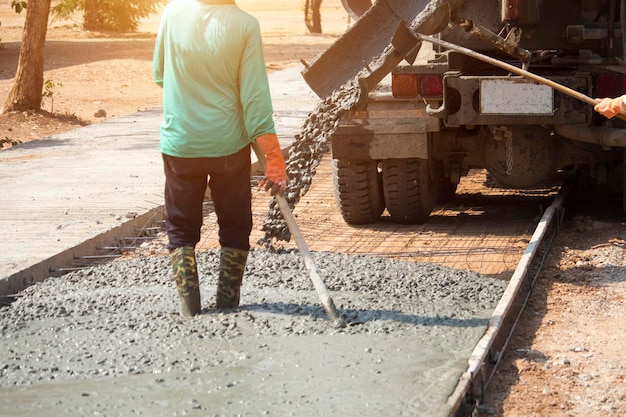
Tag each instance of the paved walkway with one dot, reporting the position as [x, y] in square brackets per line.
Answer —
[60, 195]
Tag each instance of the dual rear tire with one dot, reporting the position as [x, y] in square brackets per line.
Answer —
[364, 188]
[358, 190]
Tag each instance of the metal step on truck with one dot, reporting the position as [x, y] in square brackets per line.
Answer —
[406, 144]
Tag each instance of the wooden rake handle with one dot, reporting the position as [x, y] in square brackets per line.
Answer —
[318, 283]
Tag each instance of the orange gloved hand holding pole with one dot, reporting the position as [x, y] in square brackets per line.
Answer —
[275, 178]
[611, 107]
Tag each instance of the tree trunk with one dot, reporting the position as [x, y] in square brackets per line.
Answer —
[28, 83]
[312, 15]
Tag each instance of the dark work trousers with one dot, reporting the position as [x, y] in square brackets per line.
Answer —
[185, 187]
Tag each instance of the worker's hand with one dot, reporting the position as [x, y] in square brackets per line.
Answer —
[610, 107]
[275, 179]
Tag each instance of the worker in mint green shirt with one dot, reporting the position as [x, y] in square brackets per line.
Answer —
[208, 58]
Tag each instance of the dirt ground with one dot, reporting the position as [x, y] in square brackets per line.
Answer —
[566, 357]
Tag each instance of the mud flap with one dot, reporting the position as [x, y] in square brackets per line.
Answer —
[361, 46]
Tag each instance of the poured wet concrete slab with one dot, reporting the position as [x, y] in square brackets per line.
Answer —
[110, 340]
[64, 190]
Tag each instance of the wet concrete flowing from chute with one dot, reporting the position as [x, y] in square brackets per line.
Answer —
[305, 154]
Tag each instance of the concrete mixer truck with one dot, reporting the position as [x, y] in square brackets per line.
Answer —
[420, 125]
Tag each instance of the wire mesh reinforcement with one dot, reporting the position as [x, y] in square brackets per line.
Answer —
[484, 228]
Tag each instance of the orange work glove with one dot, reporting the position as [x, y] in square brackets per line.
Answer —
[275, 169]
[610, 107]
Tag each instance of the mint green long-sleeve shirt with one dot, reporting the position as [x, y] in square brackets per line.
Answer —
[209, 60]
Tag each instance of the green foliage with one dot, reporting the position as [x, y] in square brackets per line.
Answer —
[66, 8]
[116, 15]
[9, 142]
[18, 5]
[49, 87]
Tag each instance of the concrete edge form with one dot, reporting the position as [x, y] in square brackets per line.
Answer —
[488, 352]
[38, 272]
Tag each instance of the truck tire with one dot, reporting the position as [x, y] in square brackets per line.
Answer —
[409, 189]
[358, 190]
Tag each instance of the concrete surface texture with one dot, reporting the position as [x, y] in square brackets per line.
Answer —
[109, 340]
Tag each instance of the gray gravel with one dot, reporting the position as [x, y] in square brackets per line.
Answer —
[121, 320]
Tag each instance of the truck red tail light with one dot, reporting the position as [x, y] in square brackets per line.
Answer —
[404, 85]
[609, 85]
[412, 85]
[431, 86]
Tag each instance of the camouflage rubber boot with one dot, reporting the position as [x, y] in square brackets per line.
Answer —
[232, 266]
[186, 276]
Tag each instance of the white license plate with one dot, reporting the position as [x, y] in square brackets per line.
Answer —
[515, 96]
